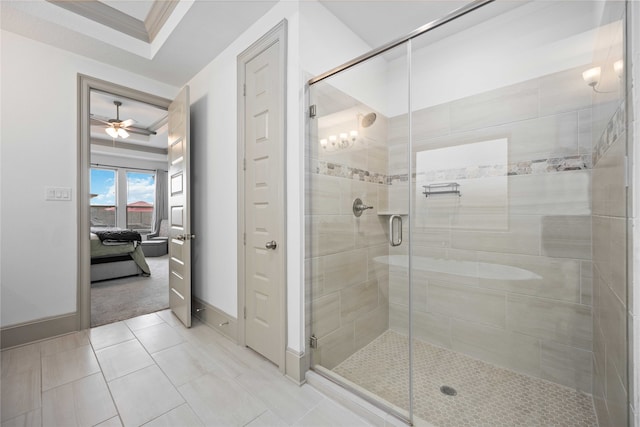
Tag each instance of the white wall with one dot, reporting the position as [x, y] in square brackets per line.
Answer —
[317, 41]
[466, 62]
[328, 43]
[46, 231]
[38, 149]
[214, 164]
[533, 40]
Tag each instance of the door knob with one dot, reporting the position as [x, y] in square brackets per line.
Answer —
[271, 245]
[186, 236]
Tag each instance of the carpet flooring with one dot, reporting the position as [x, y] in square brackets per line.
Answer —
[120, 299]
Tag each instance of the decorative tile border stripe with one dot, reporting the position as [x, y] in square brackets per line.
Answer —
[320, 167]
[556, 164]
[615, 128]
[529, 167]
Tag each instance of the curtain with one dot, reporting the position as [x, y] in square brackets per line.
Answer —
[160, 210]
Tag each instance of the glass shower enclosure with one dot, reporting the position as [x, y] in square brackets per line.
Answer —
[464, 204]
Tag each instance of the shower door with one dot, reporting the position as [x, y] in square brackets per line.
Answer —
[466, 219]
[357, 195]
[518, 256]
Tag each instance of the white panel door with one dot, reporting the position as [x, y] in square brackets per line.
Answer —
[264, 207]
[179, 210]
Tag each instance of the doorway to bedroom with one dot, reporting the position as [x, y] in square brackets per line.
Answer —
[128, 251]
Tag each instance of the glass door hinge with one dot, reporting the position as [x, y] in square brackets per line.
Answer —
[312, 110]
[313, 342]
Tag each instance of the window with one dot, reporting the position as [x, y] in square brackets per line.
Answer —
[111, 189]
[103, 197]
[141, 190]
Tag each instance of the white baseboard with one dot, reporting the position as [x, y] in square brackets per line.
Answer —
[215, 318]
[37, 330]
[296, 366]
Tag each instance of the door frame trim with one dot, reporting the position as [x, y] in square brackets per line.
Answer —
[85, 85]
[277, 34]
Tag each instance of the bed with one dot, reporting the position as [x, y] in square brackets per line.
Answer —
[116, 253]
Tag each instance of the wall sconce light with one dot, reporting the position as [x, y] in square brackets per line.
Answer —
[592, 76]
[618, 67]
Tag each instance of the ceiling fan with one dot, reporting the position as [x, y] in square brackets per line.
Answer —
[116, 127]
[121, 128]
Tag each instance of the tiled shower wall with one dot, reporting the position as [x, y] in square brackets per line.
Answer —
[538, 220]
[349, 290]
[564, 203]
[610, 383]
[610, 306]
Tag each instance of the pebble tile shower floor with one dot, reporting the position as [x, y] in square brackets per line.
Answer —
[486, 395]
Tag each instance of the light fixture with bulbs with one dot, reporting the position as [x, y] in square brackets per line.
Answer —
[592, 76]
[345, 140]
[339, 142]
[618, 67]
[114, 133]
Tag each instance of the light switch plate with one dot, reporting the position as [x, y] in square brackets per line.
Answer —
[62, 194]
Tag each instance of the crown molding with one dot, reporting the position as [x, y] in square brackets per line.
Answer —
[106, 15]
[158, 15]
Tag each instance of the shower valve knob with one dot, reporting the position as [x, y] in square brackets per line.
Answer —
[359, 207]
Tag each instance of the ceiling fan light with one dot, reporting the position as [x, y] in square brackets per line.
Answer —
[123, 133]
[113, 133]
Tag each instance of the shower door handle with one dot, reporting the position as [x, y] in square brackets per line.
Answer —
[395, 222]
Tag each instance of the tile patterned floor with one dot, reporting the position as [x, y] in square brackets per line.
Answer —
[486, 395]
[152, 371]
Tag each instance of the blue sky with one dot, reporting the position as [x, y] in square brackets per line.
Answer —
[140, 186]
